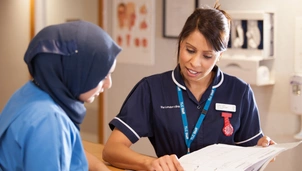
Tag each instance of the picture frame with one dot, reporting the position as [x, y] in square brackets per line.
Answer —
[175, 13]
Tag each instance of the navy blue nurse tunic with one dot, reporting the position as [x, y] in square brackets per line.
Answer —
[152, 110]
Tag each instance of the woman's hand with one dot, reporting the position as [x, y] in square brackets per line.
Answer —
[166, 163]
[265, 141]
[94, 163]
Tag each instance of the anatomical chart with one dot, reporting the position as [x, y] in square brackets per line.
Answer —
[134, 30]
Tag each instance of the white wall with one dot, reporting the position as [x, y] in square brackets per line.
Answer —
[273, 101]
[13, 43]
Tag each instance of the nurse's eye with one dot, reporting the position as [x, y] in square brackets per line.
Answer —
[207, 56]
[191, 51]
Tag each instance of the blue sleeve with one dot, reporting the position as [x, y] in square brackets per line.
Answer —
[250, 130]
[48, 146]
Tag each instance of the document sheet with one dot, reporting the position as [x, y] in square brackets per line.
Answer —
[224, 157]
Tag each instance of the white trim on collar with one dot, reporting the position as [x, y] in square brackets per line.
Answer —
[221, 80]
[183, 87]
[179, 85]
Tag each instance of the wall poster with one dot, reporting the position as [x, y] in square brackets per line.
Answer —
[134, 30]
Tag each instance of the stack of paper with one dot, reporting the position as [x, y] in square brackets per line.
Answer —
[224, 157]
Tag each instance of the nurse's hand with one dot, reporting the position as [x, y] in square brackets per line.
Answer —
[167, 162]
[265, 141]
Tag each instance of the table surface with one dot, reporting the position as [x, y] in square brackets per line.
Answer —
[96, 150]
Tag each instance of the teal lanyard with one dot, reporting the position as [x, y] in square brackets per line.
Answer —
[200, 119]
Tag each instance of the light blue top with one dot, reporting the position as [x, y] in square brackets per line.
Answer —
[36, 134]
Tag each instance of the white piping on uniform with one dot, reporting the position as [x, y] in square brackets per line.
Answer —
[241, 142]
[221, 80]
[181, 86]
[128, 127]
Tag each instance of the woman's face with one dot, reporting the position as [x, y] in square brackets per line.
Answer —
[196, 57]
[106, 83]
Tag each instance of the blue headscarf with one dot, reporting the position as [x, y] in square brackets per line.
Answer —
[69, 59]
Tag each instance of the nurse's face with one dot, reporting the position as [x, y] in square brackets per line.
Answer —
[106, 83]
[196, 57]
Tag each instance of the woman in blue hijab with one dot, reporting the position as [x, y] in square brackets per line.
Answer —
[70, 64]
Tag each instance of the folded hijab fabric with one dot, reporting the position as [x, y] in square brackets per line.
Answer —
[69, 59]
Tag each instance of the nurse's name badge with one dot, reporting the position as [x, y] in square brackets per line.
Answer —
[225, 107]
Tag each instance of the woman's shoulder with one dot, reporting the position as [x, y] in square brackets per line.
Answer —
[234, 83]
[234, 80]
[32, 103]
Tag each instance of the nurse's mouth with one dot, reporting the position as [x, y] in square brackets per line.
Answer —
[192, 72]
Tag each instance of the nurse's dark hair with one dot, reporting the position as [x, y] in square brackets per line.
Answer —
[212, 23]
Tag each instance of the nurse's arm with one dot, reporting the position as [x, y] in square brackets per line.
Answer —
[117, 152]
